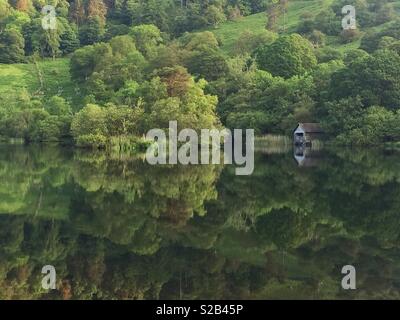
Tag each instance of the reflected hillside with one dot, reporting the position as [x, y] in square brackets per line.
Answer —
[116, 227]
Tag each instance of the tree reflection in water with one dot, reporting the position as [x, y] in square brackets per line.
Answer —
[117, 228]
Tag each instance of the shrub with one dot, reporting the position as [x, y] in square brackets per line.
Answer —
[92, 141]
[350, 35]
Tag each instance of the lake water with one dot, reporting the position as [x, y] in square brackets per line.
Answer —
[115, 227]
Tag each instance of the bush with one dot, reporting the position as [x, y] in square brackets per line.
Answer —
[91, 120]
[350, 35]
[257, 120]
[92, 141]
[317, 38]
[305, 26]
[249, 41]
[328, 54]
[354, 55]
[130, 143]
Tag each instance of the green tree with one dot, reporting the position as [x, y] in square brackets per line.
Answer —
[147, 39]
[90, 120]
[327, 54]
[353, 55]
[89, 127]
[317, 38]
[147, 12]
[374, 78]
[327, 22]
[192, 109]
[69, 40]
[4, 10]
[249, 41]
[87, 60]
[197, 40]
[44, 42]
[207, 63]
[215, 15]
[11, 46]
[287, 56]
[57, 106]
[91, 32]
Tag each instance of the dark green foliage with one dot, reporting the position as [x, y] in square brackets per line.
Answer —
[370, 42]
[116, 30]
[112, 233]
[287, 56]
[328, 22]
[69, 40]
[11, 46]
[26, 118]
[375, 78]
[354, 123]
[91, 32]
[207, 63]
[327, 54]
[353, 55]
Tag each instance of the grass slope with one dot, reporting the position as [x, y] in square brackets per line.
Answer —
[55, 79]
[230, 31]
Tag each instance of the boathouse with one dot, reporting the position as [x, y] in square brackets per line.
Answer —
[305, 133]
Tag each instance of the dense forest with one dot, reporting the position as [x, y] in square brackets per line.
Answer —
[122, 67]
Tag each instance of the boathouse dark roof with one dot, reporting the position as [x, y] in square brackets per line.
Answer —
[311, 127]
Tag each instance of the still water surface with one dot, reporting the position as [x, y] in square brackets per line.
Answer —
[115, 227]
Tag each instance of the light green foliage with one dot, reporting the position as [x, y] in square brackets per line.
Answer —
[144, 68]
[14, 19]
[4, 9]
[57, 106]
[198, 40]
[105, 68]
[90, 120]
[147, 39]
[93, 126]
[250, 41]
[214, 15]
[193, 109]
[202, 56]
[26, 118]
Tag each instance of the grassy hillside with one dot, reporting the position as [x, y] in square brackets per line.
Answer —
[55, 77]
[47, 78]
[230, 31]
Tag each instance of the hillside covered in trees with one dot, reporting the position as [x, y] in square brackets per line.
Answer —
[113, 69]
